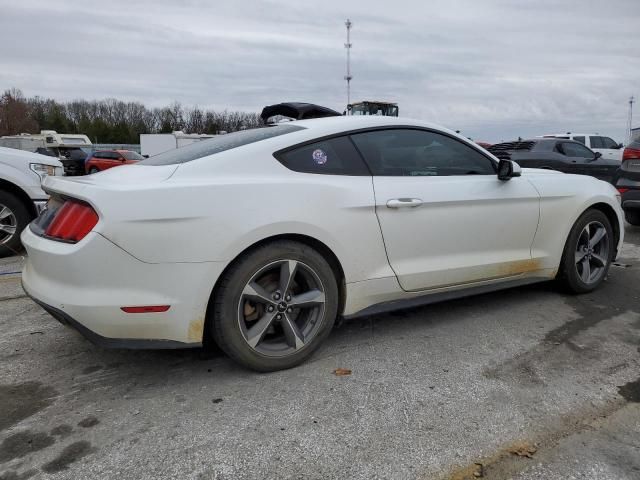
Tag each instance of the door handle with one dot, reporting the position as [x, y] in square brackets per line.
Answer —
[404, 202]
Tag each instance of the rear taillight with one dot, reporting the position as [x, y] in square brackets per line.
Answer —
[630, 154]
[623, 190]
[72, 222]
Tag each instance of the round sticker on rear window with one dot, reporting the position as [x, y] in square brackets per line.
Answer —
[319, 156]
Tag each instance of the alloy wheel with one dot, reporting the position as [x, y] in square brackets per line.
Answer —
[281, 308]
[592, 252]
[8, 224]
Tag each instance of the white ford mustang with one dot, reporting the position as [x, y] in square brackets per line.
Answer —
[259, 239]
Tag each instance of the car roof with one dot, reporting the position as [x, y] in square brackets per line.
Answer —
[571, 134]
[326, 126]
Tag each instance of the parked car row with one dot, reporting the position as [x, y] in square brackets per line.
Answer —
[569, 154]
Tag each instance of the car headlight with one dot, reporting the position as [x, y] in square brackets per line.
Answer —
[42, 170]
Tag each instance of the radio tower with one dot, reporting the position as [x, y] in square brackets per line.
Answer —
[631, 100]
[347, 45]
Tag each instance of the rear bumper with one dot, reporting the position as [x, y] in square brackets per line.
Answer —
[99, 340]
[84, 285]
[631, 200]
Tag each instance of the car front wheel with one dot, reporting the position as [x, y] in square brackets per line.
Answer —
[14, 217]
[275, 306]
[588, 252]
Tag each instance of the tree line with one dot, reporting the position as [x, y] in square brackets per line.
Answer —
[111, 120]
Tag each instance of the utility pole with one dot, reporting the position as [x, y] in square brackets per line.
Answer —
[630, 124]
[347, 45]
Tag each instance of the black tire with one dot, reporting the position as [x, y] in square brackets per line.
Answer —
[19, 218]
[632, 217]
[570, 275]
[231, 328]
[93, 170]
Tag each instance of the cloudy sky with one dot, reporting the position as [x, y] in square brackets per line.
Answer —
[494, 69]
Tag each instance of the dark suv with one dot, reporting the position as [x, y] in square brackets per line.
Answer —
[557, 154]
[627, 182]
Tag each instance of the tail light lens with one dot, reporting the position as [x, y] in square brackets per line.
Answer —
[623, 190]
[630, 154]
[71, 222]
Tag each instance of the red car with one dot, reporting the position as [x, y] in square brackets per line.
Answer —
[103, 159]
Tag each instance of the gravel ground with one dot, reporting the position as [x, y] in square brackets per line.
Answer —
[525, 383]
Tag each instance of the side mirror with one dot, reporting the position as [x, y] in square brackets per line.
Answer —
[620, 145]
[508, 169]
[597, 155]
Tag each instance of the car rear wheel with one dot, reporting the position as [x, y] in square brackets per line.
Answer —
[275, 306]
[14, 217]
[588, 252]
[633, 217]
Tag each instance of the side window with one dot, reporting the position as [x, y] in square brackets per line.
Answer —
[404, 152]
[579, 139]
[334, 156]
[576, 150]
[608, 143]
[99, 155]
[596, 142]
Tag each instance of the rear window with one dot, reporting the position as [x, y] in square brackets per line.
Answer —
[334, 156]
[132, 156]
[222, 143]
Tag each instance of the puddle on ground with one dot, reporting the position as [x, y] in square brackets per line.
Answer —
[22, 400]
[630, 391]
[71, 453]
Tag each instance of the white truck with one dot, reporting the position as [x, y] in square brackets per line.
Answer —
[608, 147]
[154, 143]
[70, 148]
[21, 196]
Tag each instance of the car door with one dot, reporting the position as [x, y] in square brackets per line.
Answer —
[586, 162]
[446, 219]
[111, 159]
[607, 147]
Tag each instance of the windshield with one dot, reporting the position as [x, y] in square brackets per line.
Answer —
[129, 155]
[219, 144]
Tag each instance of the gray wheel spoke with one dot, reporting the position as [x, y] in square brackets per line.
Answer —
[598, 259]
[580, 254]
[4, 212]
[257, 331]
[597, 237]
[287, 272]
[311, 298]
[10, 229]
[586, 270]
[292, 333]
[287, 301]
[256, 293]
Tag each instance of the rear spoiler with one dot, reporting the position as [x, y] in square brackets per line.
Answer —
[297, 111]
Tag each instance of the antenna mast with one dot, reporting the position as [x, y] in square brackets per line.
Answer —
[347, 45]
[630, 125]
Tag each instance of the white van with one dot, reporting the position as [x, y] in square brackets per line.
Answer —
[608, 147]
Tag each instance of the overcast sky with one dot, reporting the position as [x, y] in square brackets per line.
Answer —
[493, 69]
